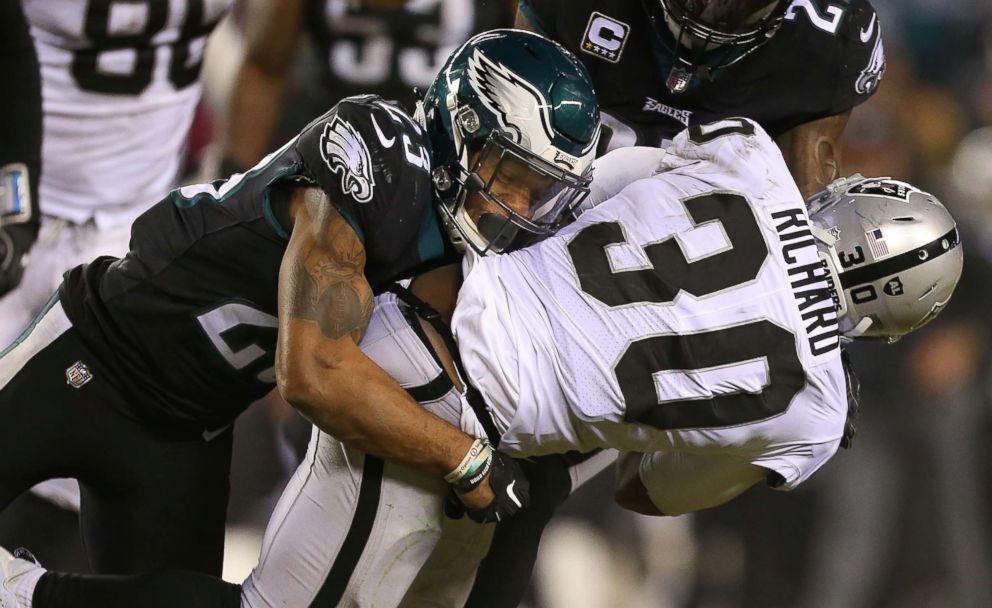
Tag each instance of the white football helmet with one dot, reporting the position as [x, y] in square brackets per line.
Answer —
[893, 253]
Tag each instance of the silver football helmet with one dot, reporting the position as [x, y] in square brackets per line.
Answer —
[893, 253]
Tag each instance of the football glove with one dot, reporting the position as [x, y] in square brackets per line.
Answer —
[508, 483]
[15, 241]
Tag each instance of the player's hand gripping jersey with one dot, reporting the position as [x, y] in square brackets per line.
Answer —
[201, 279]
[824, 59]
[689, 313]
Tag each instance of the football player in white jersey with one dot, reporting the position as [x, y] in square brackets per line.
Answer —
[120, 80]
[694, 322]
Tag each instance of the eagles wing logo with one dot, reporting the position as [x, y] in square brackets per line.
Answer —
[344, 151]
[515, 102]
[873, 72]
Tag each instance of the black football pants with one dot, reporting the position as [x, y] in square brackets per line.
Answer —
[149, 501]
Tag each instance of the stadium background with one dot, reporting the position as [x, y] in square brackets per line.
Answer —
[902, 519]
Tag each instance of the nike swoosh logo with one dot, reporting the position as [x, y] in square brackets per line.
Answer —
[211, 435]
[866, 34]
[513, 497]
[387, 142]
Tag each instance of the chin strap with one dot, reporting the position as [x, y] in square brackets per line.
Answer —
[858, 330]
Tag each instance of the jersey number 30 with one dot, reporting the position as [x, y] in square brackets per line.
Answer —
[705, 353]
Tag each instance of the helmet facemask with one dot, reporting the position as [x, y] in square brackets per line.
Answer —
[713, 34]
[505, 197]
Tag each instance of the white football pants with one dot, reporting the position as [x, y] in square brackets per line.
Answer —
[61, 245]
[352, 530]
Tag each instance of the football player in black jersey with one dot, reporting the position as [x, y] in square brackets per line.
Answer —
[797, 68]
[133, 375]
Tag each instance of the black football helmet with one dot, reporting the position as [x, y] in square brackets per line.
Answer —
[708, 35]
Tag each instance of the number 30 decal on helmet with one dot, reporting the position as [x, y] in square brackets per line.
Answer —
[513, 122]
[893, 251]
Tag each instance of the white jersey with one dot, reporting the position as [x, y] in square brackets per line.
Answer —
[120, 83]
[689, 313]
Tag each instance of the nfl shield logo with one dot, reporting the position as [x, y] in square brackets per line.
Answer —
[78, 374]
[678, 80]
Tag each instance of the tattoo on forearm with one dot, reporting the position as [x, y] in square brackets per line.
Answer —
[328, 285]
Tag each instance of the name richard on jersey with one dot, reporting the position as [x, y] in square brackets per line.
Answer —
[808, 278]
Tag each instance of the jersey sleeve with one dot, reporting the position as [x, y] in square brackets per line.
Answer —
[614, 170]
[861, 57]
[682, 482]
[733, 153]
[796, 464]
[373, 162]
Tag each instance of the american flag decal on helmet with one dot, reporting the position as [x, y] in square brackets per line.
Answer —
[877, 243]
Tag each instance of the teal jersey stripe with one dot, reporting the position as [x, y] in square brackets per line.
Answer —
[270, 217]
[430, 243]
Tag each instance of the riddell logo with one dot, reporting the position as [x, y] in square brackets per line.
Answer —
[605, 37]
[565, 159]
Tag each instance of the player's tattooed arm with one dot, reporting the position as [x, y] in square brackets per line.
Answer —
[325, 304]
[812, 152]
[326, 283]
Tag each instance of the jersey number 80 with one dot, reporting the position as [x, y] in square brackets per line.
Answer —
[85, 68]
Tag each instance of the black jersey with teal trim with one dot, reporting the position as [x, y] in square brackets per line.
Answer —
[826, 58]
[186, 322]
